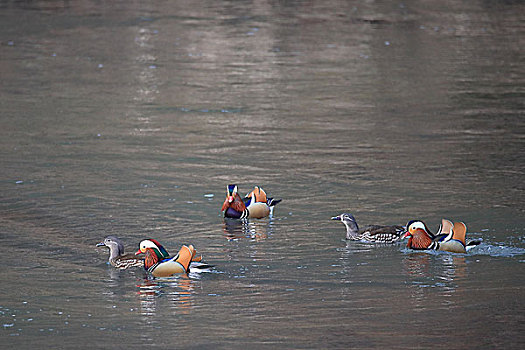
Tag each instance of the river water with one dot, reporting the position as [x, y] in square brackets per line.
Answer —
[130, 118]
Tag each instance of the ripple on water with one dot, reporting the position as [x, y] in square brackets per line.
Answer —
[497, 250]
[494, 250]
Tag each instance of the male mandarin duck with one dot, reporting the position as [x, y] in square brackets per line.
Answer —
[117, 258]
[372, 233]
[450, 237]
[159, 264]
[254, 205]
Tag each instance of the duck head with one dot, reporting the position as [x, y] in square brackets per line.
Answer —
[415, 226]
[231, 193]
[352, 229]
[115, 245]
[419, 236]
[233, 199]
[154, 246]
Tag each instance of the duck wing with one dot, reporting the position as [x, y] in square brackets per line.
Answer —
[443, 237]
[382, 234]
[445, 227]
[459, 232]
[378, 229]
[128, 260]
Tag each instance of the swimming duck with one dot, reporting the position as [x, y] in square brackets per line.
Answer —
[117, 258]
[254, 205]
[158, 262]
[373, 233]
[450, 237]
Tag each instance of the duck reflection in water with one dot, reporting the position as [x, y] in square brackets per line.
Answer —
[430, 273]
[179, 292]
[236, 229]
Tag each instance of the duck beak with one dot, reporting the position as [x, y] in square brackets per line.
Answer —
[336, 217]
[405, 235]
[100, 244]
[138, 252]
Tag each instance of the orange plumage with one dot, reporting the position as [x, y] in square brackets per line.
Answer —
[235, 203]
[259, 194]
[459, 232]
[419, 240]
[150, 259]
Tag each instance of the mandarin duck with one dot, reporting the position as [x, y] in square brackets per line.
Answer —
[158, 262]
[372, 233]
[450, 237]
[117, 258]
[254, 205]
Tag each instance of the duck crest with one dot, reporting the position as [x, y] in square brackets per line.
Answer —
[421, 225]
[161, 252]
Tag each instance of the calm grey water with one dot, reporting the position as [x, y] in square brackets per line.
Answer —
[131, 117]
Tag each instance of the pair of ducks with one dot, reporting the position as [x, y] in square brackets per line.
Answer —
[255, 204]
[156, 260]
[451, 237]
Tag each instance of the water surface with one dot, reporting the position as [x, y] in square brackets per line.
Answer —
[130, 119]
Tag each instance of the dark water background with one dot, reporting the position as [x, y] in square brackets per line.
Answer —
[131, 117]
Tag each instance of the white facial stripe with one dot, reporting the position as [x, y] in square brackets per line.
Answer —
[416, 225]
[147, 244]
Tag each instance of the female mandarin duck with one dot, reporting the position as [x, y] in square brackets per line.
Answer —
[372, 234]
[450, 237]
[254, 205]
[159, 264]
[117, 257]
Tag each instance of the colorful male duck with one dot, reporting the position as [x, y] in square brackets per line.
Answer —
[372, 234]
[117, 257]
[159, 264]
[254, 205]
[450, 237]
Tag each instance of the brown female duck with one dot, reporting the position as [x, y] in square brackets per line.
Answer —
[372, 233]
[117, 257]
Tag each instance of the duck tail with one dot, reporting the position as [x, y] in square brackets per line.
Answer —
[272, 201]
[199, 266]
[472, 244]
[196, 263]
